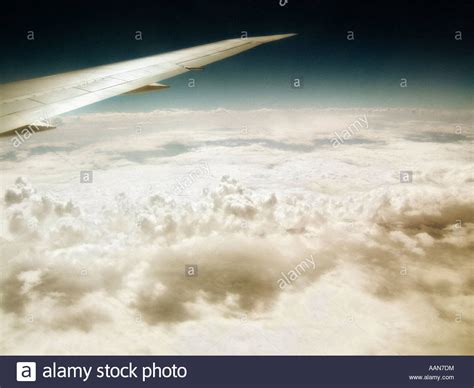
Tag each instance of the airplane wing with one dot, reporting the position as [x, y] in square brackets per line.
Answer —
[34, 102]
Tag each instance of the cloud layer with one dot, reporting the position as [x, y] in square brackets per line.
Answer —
[100, 267]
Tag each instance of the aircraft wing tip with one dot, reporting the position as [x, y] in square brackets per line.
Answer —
[271, 38]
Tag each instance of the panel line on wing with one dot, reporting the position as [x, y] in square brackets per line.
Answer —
[211, 53]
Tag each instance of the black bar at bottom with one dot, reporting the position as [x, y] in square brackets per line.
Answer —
[236, 371]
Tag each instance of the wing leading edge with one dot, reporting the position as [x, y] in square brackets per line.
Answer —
[34, 102]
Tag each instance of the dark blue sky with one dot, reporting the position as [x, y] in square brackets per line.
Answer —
[393, 40]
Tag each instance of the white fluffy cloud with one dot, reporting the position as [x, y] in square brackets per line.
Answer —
[99, 267]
